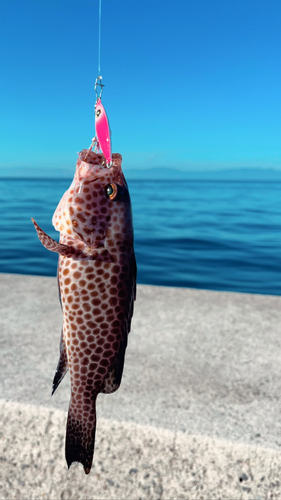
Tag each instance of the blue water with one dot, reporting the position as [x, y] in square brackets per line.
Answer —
[212, 235]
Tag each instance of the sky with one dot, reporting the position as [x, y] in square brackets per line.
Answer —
[189, 84]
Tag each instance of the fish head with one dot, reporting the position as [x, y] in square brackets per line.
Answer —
[96, 207]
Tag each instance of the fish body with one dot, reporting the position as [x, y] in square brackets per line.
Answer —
[103, 131]
[97, 283]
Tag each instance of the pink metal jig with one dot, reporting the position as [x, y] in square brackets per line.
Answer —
[103, 134]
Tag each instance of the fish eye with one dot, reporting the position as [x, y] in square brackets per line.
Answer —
[111, 191]
[98, 113]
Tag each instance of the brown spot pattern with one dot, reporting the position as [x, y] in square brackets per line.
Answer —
[97, 286]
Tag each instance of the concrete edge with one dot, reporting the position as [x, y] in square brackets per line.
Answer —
[131, 461]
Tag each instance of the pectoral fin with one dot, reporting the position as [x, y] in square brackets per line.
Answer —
[69, 250]
[53, 245]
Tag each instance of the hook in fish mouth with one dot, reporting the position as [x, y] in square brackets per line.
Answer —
[92, 158]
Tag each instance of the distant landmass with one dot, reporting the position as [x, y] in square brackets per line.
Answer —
[239, 174]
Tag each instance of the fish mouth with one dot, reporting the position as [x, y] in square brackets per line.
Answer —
[91, 166]
[91, 158]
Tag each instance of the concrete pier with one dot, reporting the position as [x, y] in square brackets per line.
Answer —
[198, 413]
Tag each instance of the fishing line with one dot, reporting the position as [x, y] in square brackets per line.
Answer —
[102, 139]
[99, 33]
[98, 84]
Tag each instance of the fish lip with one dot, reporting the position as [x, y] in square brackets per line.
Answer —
[94, 173]
[93, 180]
[90, 157]
[90, 172]
[92, 166]
[98, 159]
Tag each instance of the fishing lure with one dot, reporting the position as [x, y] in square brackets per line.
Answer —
[103, 132]
[102, 141]
[103, 135]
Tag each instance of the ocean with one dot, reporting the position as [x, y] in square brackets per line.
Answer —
[216, 235]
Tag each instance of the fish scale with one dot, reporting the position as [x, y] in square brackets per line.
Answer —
[97, 283]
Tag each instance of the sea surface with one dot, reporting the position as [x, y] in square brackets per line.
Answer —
[217, 235]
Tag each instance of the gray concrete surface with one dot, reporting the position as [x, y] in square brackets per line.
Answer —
[132, 461]
[198, 363]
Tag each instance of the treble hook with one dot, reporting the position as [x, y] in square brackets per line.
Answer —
[99, 84]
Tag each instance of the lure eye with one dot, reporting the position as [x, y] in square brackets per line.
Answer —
[98, 113]
[111, 191]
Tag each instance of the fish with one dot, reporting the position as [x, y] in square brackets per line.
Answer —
[97, 287]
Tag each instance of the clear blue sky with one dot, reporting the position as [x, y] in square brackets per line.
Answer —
[190, 84]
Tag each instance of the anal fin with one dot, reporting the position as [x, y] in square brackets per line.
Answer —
[113, 378]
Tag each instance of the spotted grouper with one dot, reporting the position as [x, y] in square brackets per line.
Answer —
[97, 285]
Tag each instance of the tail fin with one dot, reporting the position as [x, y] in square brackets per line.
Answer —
[80, 437]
